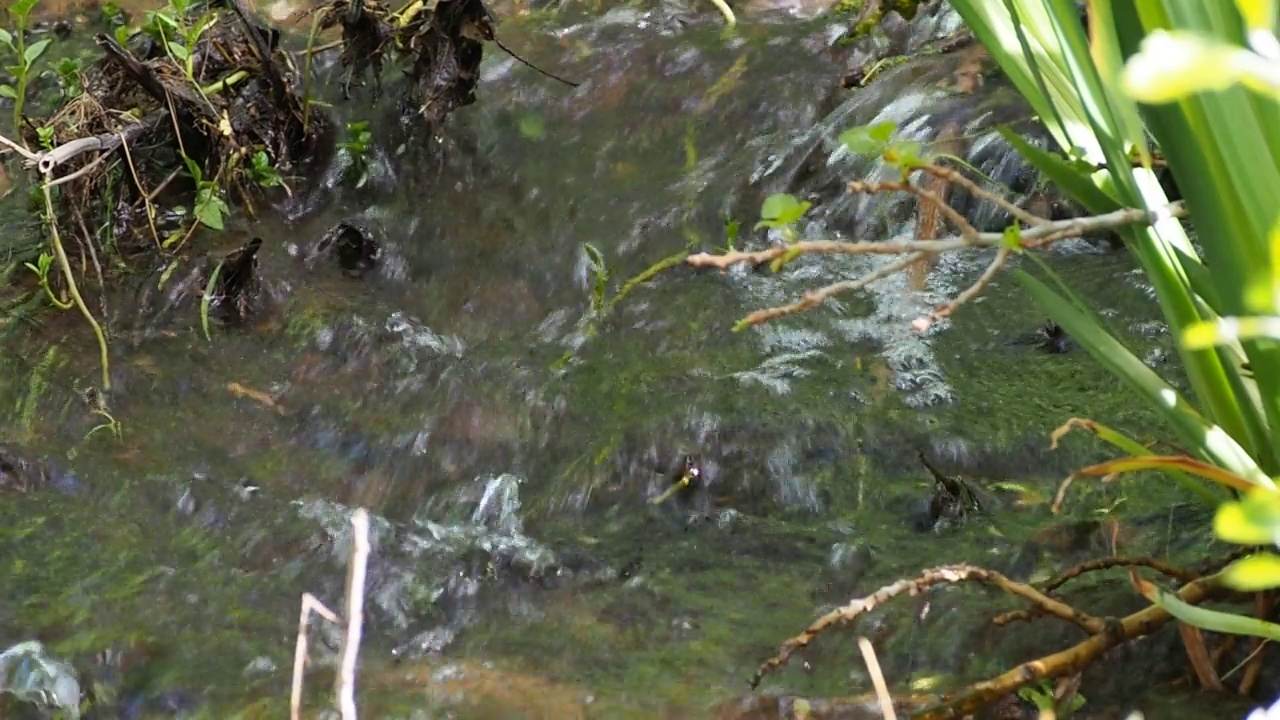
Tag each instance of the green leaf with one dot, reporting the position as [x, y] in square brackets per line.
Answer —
[8, 92]
[210, 208]
[1171, 65]
[1013, 237]
[731, 230]
[782, 209]
[1227, 330]
[35, 50]
[1204, 438]
[868, 139]
[179, 51]
[22, 8]
[1071, 177]
[1254, 573]
[6, 37]
[882, 132]
[1254, 520]
[1212, 620]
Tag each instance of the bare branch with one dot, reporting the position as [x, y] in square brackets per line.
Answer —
[914, 586]
[951, 175]
[814, 298]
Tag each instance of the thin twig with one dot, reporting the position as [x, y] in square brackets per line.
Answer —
[1159, 566]
[528, 64]
[953, 216]
[1002, 256]
[877, 679]
[914, 586]
[1031, 237]
[957, 177]
[146, 204]
[25, 153]
[814, 298]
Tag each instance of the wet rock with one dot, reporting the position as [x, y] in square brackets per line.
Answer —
[17, 473]
[222, 286]
[352, 246]
[33, 676]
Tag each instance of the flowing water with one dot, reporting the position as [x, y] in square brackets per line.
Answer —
[508, 441]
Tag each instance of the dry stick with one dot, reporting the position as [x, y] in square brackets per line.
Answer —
[1198, 656]
[310, 604]
[1002, 256]
[954, 217]
[951, 175]
[1160, 566]
[1035, 237]
[929, 578]
[1072, 660]
[147, 206]
[357, 569]
[814, 298]
[877, 679]
[16, 147]
[1031, 237]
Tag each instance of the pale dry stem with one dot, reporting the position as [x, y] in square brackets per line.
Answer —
[1037, 234]
[345, 682]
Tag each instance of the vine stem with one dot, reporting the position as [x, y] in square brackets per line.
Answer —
[65, 265]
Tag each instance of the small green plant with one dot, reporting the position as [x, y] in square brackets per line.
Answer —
[210, 208]
[25, 56]
[41, 268]
[1042, 696]
[112, 15]
[68, 70]
[264, 173]
[600, 275]
[45, 135]
[177, 34]
[732, 229]
[357, 143]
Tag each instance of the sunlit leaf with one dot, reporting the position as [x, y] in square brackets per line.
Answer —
[1254, 573]
[8, 92]
[1173, 64]
[1258, 14]
[6, 37]
[22, 8]
[1226, 330]
[868, 139]
[1253, 520]
[782, 209]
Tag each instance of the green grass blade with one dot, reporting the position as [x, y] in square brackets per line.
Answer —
[1210, 442]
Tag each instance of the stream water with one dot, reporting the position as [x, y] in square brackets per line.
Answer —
[508, 445]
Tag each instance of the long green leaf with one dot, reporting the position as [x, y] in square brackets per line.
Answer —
[1211, 620]
[1062, 173]
[1204, 438]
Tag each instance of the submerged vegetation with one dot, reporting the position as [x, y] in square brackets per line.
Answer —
[195, 115]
